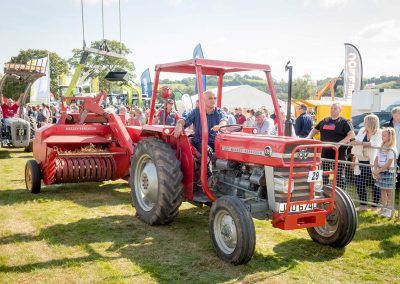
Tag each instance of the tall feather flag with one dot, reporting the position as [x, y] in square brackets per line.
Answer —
[145, 83]
[353, 71]
[198, 53]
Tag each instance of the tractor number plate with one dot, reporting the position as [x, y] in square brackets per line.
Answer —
[21, 132]
[314, 176]
[297, 208]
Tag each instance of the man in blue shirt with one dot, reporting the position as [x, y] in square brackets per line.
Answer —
[215, 119]
[303, 123]
[261, 123]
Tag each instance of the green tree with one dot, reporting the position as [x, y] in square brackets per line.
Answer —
[99, 65]
[301, 89]
[58, 66]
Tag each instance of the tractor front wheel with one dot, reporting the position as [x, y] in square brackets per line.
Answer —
[156, 182]
[32, 176]
[340, 225]
[232, 230]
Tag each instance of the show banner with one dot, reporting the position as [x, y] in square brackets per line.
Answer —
[145, 83]
[352, 71]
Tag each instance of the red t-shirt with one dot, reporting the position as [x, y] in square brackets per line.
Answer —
[9, 111]
[240, 119]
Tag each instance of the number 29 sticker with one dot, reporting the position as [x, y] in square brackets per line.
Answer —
[314, 176]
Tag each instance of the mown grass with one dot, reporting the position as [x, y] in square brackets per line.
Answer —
[88, 233]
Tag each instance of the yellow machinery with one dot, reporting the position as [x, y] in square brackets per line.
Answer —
[321, 109]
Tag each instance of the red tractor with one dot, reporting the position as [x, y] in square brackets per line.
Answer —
[253, 175]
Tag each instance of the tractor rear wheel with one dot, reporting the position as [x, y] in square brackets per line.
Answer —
[341, 224]
[32, 176]
[232, 230]
[156, 182]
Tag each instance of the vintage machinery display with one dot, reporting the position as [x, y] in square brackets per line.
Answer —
[19, 131]
[247, 176]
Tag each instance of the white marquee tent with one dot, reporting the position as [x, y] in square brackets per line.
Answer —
[245, 96]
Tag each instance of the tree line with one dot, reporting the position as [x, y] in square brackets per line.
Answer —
[98, 66]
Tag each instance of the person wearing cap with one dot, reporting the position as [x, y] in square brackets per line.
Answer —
[261, 123]
[172, 116]
[303, 122]
[215, 116]
[239, 116]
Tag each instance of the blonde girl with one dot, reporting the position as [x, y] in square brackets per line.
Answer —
[384, 169]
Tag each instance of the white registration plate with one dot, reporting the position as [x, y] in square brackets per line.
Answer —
[297, 208]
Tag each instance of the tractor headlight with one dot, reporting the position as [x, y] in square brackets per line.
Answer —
[255, 131]
[282, 184]
[318, 185]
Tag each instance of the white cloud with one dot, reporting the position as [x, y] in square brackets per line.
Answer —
[174, 2]
[381, 32]
[326, 3]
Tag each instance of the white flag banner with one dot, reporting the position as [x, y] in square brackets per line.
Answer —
[40, 90]
[352, 71]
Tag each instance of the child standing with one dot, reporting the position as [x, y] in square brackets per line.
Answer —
[384, 169]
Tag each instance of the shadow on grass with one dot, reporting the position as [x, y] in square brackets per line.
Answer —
[4, 154]
[181, 250]
[382, 232]
[86, 194]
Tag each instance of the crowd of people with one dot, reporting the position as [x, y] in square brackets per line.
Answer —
[374, 149]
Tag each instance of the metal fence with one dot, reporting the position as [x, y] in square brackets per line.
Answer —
[356, 178]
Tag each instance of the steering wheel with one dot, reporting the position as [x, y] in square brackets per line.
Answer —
[231, 128]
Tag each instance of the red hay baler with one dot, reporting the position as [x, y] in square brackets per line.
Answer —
[247, 176]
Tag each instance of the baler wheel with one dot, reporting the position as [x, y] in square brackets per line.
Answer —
[341, 224]
[232, 230]
[32, 176]
[156, 182]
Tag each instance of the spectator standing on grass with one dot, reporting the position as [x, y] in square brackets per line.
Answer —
[239, 116]
[270, 119]
[368, 137]
[250, 118]
[303, 122]
[230, 116]
[395, 123]
[383, 169]
[337, 129]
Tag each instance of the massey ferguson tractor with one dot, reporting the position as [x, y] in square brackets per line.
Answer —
[248, 176]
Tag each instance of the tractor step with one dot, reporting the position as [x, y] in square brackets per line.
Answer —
[199, 196]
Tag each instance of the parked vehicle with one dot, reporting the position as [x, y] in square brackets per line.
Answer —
[358, 120]
[373, 100]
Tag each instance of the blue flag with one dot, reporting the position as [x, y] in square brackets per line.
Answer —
[145, 83]
[198, 53]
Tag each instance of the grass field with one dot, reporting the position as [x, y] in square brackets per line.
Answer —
[88, 233]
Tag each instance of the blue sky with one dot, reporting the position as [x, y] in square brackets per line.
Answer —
[309, 33]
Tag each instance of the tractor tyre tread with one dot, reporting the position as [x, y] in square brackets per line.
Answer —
[347, 224]
[245, 230]
[35, 175]
[169, 181]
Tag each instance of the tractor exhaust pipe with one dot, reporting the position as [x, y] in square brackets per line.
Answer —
[288, 122]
